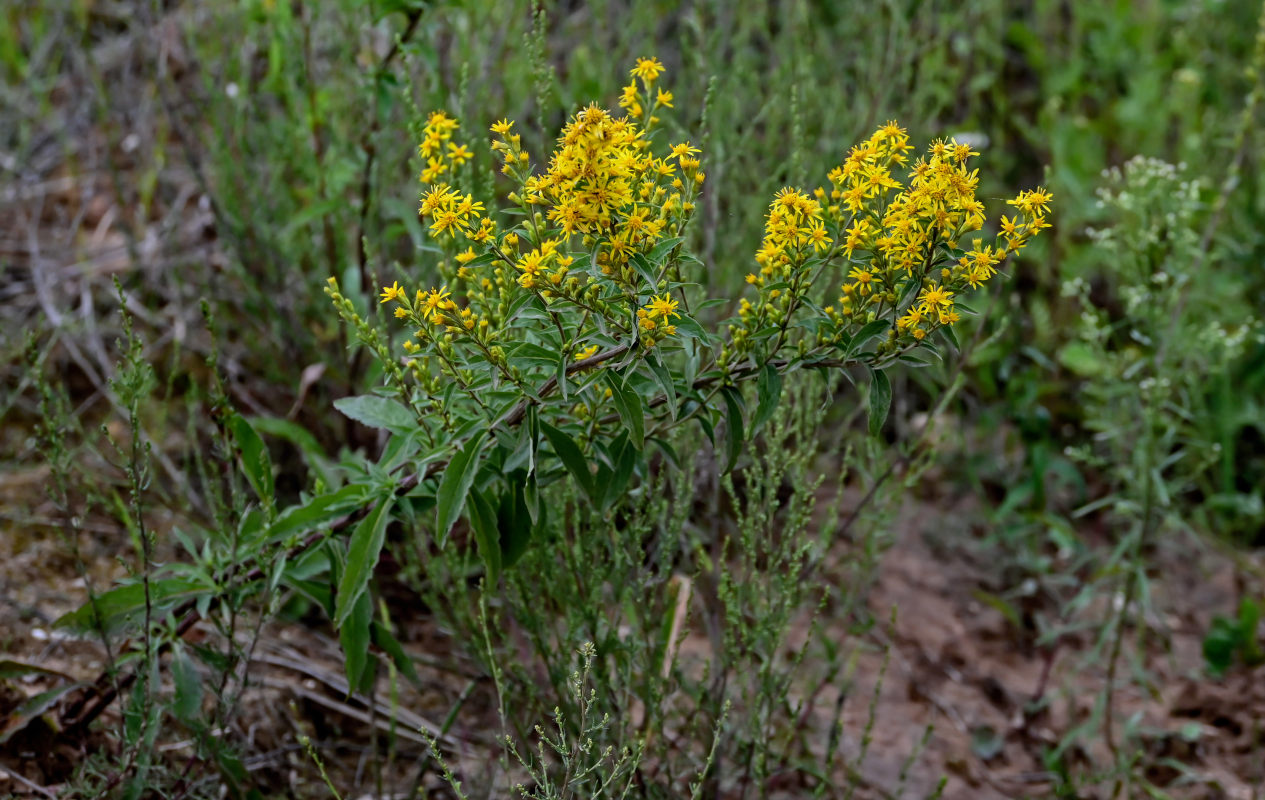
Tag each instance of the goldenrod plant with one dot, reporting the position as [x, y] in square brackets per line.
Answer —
[564, 340]
[541, 388]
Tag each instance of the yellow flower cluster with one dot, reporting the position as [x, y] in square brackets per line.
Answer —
[794, 234]
[934, 303]
[890, 229]
[437, 319]
[793, 231]
[655, 318]
[605, 192]
[450, 212]
[637, 100]
[593, 259]
[543, 266]
[938, 201]
[604, 184]
[438, 149]
[592, 176]
[899, 237]
[517, 161]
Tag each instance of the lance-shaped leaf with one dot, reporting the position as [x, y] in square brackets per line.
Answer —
[316, 512]
[628, 404]
[572, 458]
[378, 412]
[486, 533]
[255, 461]
[455, 485]
[354, 636]
[880, 401]
[768, 393]
[733, 416]
[867, 332]
[362, 556]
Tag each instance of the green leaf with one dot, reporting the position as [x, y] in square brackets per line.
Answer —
[767, 332]
[523, 447]
[125, 604]
[311, 212]
[354, 636]
[704, 422]
[628, 404]
[1220, 644]
[645, 270]
[669, 452]
[19, 669]
[527, 355]
[378, 412]
[1249, 618]
[625, 461]
[1002, 605]
[455, 485]
[663, 377]
[316, 512]
[915, 362]
[572, 458]
[250, 527]
[911, 286]
[401, 448]
[26, 713]
[392, 647]
[486, 534]
[880, 401]
[661, 249]
[514, 522]
[560, 375]
[255, 461]
[1081, 359]
[768, 393]
[187, 704]
[233, 773]
[687, 326]
[531, 494]
[734, 438]
[867, 332]
[986, 742]
[362, 556]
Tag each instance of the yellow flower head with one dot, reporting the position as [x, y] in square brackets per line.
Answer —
[662, 307]
[441, 122]
[434, 301]
[934, 297]
[648, 69]
[684, 150]
[961, 152]
[459, 154]
[392, 292]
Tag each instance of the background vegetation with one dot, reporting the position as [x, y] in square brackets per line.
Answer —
[1042, 578]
